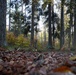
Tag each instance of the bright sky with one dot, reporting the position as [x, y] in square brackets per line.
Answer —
[41, 24]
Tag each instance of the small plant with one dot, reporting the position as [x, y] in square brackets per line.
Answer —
[10, 37]
[22, 41]
[19, 41]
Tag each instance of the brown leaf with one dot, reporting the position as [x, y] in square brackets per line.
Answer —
[62, 69]
[1, 67]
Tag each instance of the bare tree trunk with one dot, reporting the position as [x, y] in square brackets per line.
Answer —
[2, 22]
[62, 25]
[53, 22]
[71, 23]
[74, 25]
[32, 26]
[9, 16]
[49, 31]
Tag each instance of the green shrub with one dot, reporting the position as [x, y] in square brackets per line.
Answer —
[10, 37]
[39, 45]
[22, 41]
[19, 41]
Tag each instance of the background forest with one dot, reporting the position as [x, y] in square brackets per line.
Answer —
[38, 24]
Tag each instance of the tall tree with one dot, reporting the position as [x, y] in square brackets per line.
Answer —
[17, 17]
[2, 22]
[62, 24]
[49, 27]
[34, 23]
[70, 28]
[71, 22]
[49, 20]
[9, 15]
[34, 2]
[32, 26]
[74, 24]
[53, 32]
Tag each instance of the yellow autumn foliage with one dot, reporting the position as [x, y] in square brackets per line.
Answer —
[19, 41]
[10, 37]
[22, 41]
[73, 58]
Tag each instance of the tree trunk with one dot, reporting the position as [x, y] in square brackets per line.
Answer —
[71, 23]
[9, 16]
[32, 26]
[53, 22]
[35, 39]
[49, 30]
[74, 25]
[2, 22]
[62, 25]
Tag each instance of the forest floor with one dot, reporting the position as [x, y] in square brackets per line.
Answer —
[20, 62]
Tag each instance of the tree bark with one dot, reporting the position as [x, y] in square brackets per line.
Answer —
[49, 30]
[53, 22]
[71, 23]
[32, 26]
[9, 16]
[2, 22]
[74, 25]
[62, 25]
